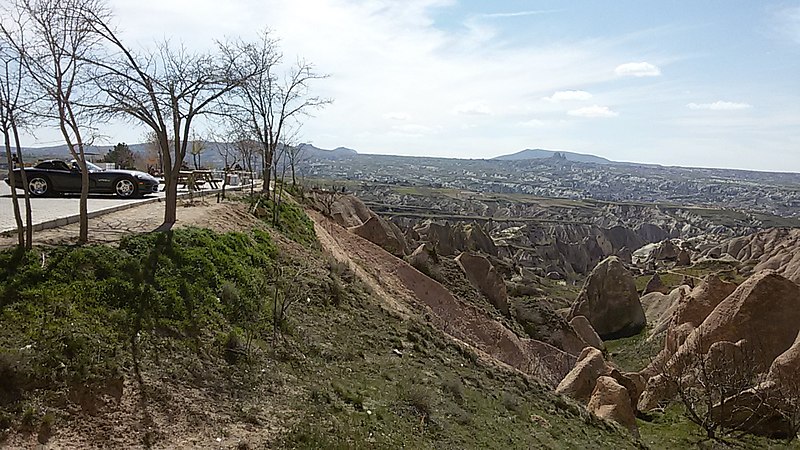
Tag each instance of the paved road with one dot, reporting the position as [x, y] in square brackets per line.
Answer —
[47, 209]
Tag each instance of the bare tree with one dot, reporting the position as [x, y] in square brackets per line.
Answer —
[296, 155]
[267, 103]
[60, 44]
[166, 90]
[288, 290]
[154, 159]
[708, 379]
[229, 153]
[247, 150]
[198, 147]
[13, 105]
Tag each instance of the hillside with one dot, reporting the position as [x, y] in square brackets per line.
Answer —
[136, 350]
[540, 154]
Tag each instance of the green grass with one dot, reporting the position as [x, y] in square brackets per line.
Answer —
[670, 280]
[289, 219]
[671, 430]
[71, 313]
[634, 353]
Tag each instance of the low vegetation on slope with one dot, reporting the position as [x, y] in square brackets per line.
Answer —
[196, 338]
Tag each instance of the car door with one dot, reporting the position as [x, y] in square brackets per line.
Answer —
[64, 179]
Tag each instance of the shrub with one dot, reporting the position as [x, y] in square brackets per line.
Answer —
[455, 388]
[419, 399]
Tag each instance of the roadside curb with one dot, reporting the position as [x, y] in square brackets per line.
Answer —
[63, 221]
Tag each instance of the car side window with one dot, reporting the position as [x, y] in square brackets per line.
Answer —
[60, 165]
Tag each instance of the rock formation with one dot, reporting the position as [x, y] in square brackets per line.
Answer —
[349, 211]
[583, 328]
[611, 401]
[383, 233]
[610, 302]
[655, 285]
[482, 274]
[659, 309]
[580, 381]
[774, 249]
[762, 316]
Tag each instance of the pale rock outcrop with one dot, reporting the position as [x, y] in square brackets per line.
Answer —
[584, 329]
[482, 274]
[694, 308]
[610, 302]
[611, 401]
[785, 369]
[349, 211]
[423, 256]
[761, 316]
[655, 285]
[580, 381]
[659, 309]
[383, 233]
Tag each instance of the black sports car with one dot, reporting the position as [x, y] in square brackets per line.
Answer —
[56, 176]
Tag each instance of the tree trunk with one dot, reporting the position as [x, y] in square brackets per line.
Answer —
[12, 180]
[171, 203]
[84, 210]
[271, 170]
[25, 192]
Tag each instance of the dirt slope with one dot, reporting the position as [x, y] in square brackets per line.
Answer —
[405, 289]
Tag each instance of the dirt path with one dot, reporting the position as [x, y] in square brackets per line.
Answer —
[408, 291]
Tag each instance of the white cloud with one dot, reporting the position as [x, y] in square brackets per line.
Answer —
[593, 111]
[396, 116]
[720, 106]
[561, 96]
[637, 69]
[534, 12]
[473, 109]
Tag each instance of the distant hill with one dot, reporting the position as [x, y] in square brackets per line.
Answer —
[210, 155]
[321, 153]
[538, 153]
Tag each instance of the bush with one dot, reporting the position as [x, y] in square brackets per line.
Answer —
[455, 388]
[419, 399]
[292, 221]
[78, 308]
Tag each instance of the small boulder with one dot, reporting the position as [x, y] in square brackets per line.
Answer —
[610, 302]
[482, 274]
[580, 381]
[478, 241]
[666, 251]
[584, 329]
[611, 401]
[655, 285]
[383, 233]
[684, 259]
[785, 369]
[423, 256]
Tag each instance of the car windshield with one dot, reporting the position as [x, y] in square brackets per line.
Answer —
[90, 166]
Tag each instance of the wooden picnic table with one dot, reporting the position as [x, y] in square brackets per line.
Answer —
[199, 178]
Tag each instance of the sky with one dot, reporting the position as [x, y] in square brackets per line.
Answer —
[712, 83]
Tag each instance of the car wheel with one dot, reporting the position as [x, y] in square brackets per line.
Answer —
[125, 188]
[38, 186]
